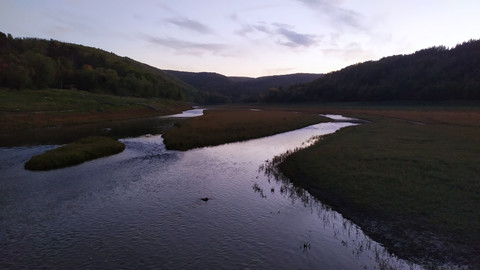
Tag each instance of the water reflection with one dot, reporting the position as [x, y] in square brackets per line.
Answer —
[186, 114]
[338, 117]
[143, 208]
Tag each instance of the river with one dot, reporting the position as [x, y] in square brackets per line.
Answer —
[143, 208]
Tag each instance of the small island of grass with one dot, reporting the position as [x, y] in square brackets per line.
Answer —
[85, 149]
[217, 127]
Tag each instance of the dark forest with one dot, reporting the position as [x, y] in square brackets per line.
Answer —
[436, 73]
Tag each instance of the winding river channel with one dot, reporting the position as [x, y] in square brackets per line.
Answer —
[143, 208]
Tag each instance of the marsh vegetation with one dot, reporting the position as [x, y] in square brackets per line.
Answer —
[217, 127]
[419, 183]
[30, 109]
[85, 149]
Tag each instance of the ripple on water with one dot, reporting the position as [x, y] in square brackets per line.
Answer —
[142, 208]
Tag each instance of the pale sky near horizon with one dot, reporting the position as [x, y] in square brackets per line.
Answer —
[250, 37]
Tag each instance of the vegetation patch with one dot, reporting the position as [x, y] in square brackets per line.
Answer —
[217, 127]
[27, 109]
[31, 63]
[85, 149]
[436, 73]
[414, 187]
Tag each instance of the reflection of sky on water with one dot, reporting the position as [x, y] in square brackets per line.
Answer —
[186, 114]
[337, 117]
[142, 209]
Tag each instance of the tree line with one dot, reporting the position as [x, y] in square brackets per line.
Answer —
[218, 88]
[31, 63]
[436, 73]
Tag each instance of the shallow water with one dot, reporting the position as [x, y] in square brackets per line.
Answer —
[142, 208]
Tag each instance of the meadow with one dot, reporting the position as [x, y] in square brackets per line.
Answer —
[85, 149]
[30, 109]
[411, 179]
[217, 127]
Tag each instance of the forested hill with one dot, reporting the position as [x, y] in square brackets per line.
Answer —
[436, 73]
[36, 63]
[217, 88]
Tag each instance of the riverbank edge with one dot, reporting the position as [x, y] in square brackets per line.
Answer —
[399, 236]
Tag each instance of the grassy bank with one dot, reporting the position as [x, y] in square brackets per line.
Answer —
[461, 113]
[415, 187]
[217, 127]
[75, 153]
[27, 109]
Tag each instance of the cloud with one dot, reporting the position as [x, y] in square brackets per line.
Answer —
[296, 39]
[167, 8]
[281, 32]
[244, 30]
[341, 17]
[262, 28]
[193, 48]
[191, 25]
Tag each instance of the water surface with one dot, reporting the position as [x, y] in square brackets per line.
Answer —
[142, 208]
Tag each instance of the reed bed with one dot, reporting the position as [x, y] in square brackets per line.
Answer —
[85, 149]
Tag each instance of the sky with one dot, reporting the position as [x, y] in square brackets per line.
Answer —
[250, 38]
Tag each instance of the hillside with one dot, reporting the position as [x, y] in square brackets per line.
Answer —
[30, 63]
[217, 88]
[436, 73]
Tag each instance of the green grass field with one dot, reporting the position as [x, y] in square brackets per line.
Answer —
[85, 149]
[28, 109]
[413, 177]
[51, 100]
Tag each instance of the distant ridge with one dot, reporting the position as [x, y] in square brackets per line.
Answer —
[436, 73]
[31, 63]
[239, 89]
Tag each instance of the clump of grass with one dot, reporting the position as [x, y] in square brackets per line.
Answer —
[217, 127]
[75, 153]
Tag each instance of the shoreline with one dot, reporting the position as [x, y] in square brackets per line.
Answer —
[397, 236]
[409, 237]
